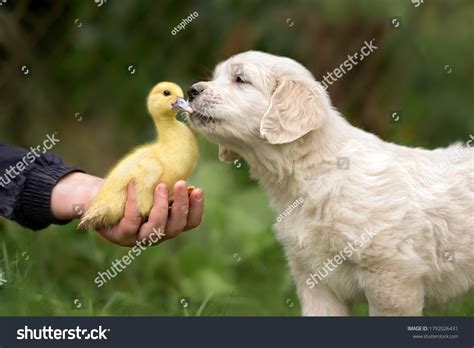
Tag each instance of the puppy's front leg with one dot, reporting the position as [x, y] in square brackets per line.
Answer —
[318, 301]
[392, 294]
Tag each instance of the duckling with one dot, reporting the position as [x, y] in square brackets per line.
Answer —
[171, 158]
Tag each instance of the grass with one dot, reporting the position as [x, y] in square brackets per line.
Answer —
[52, 272]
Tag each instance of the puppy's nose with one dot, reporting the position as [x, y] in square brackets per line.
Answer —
[195, 90]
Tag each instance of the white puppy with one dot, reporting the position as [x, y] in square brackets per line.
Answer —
[359, 217]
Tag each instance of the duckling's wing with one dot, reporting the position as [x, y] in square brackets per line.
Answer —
[130, 162]
[149, 171]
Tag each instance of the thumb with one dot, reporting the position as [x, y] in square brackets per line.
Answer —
[131, 218]
[126, 231]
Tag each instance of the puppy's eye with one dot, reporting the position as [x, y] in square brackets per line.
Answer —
[166, 93]
[239, 79]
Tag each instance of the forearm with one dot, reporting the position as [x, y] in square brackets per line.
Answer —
[27, 179]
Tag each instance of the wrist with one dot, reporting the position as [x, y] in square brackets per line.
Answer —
[72, 195]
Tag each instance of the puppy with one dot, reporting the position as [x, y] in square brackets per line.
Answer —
[374, 220]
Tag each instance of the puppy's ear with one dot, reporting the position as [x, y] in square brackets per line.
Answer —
[225, 155]
[295, 109]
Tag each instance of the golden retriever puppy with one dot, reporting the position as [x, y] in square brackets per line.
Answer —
[358, 217]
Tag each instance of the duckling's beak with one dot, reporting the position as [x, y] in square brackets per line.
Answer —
[182, 105]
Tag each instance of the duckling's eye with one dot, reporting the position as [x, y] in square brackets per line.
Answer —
[166, 93]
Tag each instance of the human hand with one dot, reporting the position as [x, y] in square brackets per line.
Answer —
[162, 224]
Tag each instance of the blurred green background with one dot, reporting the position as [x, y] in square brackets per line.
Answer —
[80, 84]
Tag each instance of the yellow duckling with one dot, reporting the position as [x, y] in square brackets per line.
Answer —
[171, 158]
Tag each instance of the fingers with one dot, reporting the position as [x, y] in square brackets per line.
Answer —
[154, 229]
[163, 222]
[125, 233]
[179, 210]
[196, 208]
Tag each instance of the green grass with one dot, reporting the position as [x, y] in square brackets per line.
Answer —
[48, 271]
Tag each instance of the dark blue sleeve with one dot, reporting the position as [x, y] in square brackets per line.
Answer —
[27, 178]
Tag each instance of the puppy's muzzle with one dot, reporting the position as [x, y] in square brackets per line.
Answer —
[195, 90]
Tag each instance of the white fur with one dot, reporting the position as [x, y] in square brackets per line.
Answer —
[283, 124]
